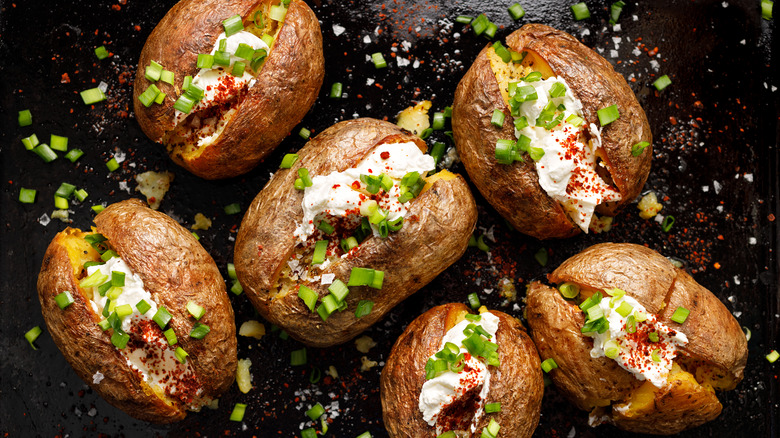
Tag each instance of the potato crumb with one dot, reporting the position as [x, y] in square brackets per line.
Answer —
[213, 405]
[507, 289]
[201, 222]
[482, 309]
[62, 215]
[252, 329]
[154, 185]
[649, 206]
[415, 118]
[331, 371]
[366, 363]
[364, 343]
[243, 376]
[601, 224]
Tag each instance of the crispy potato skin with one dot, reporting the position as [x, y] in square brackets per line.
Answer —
[286, 86]
[714, 336]
[517, 383]
[175, 269]
[514, 190]
[435, 234]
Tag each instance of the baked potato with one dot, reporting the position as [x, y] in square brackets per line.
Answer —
[242, 99]
[533, 125]
[418, 401]
[140, 311]
[668, 344]
[377, 217]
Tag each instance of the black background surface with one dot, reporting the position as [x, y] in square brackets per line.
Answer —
[715, 134]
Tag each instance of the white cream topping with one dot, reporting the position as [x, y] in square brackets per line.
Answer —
[635, 350]
[132, 292]
[567, 171]
[219, 80]
[448, 386]
[340, 194]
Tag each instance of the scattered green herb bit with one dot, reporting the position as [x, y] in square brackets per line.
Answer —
[304, 133]
[363, 308]
[25, 118]
[27, 196]
[162, 317]
[614, 11]
[766, 9]
[608, 115]
[199, 331]
[569, 290]
[771, 357]
[153, 71]
[516, 11]
[437, 151]
[101, 52]
[493, 407]
[365, 434]
[426, 133]
[498, 118]
[482, 245]
[308, 296]
[378, 60]
[580, 11]
[238, 68]
[298, 357]
[238, 412]
[541, 256]
[474, 300]
[662, 82]
[309, 433]
[30, 142]
[680, 315]
[120, 339]
[231, 268]
[167, 77]
[236, 288]
[181, 355]
[92, 95]
[667, 223]
[197, 311]
[232, 208]
[233, 25]
[98, 208]
[335, 90]
[64, 299]
[112, 164]
[548, 365]
[480, 24]
[60, 203]
[464, 19]
[44, 151]
[143, 307]
[315, 412]
[637, 149]
[170, 336]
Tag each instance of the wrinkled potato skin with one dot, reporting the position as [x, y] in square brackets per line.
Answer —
[517, 383]
[411, 258]
[714, 335]
[518, 197]
[175, 269]
[286, 86]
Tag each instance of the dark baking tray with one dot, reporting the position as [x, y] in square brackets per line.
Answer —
[715, 166]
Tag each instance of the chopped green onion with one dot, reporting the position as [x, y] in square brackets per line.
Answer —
[662, 82]
[766, 12]
[81, 195]
[315, 412]
[92, 95]
[498, 118]
[491, 30]
[481, 245]
[464, 19]
[320, 251]
[298, 357]
[288, 161]
[112, 164]
[491, 408]
[195, 310]
[233, 25]
[591, 301]
[104, 324]
[365, 434]
[379, 277]
[325, 227]
[101, 52]
[304, 133]
[27, 196]
[426, 133]
[123, 311]
[438, 121]
[98, 208]
[361, 277]
[60, 203]
[181, 355]
[119, 339]
[437, 151]
[309, 433]
[170, 336]
[143, 307]
[569, 290]
[580, 11]
[59, 143]
[348, 243]
[502, 52]
[335, 90]
[680, 315]
[541, 256]
[30, 142]
[117, 279]
[238, 68]
[44, 151]
[153, 71]
[339, 290]
[557, 90]
[308, 296]
[608, 115]
[195, 92]
[492, 428]
[480, 24]
[25, 118]
[277, 12]
[238, 412]
[516, 11]
[667, 223]
[624, 309]
[631, 324]
[378, 60]
[299, 184]
[575, 120]
[322, 309]
[199, 331]
[771, 357]
[535, 76]
[233, 208]
[637, 149]
[594, 313]
[64, 299]
[549, 365]
[656, 355]
[245, 51]
[505, 151]
[205, 60]
[162, 317]
[184, 104]
[653, 336]
[236, 288]
[611, 349]
[364, 307]
[473, 300]
[167, 76]
[303, 174]
[640, 316]
[614, 11]
[96, 279]
[222, 58]
[108, 255]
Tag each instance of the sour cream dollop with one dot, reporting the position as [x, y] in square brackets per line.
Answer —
[147, 352]
[447, 387]
[635, 349]
[567, 171]
[339, 194]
